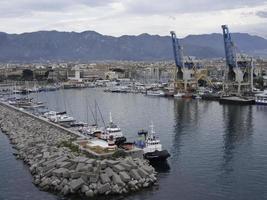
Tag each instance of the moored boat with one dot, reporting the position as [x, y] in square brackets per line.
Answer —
[112, 130]
[151, 146]
[261, 98]
[236, 100]
[179, 95]
[158, 93]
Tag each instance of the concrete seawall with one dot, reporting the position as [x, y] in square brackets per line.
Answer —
[61, 168]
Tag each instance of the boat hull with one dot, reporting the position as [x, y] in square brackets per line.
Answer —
[261, 103]
[236, 101]
[157, 156]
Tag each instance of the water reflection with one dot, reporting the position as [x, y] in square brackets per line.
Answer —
[186, 117]
[162, 167]
[238, 128]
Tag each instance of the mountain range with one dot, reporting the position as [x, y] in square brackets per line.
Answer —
[92, 46]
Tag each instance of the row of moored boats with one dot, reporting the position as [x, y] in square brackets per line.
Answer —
[111, 133]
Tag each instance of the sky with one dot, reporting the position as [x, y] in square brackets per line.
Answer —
[134, 17]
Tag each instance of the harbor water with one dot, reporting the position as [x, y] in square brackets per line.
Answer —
[217, 151]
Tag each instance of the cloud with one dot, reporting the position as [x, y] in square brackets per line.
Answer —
[133, 17]
[189, 6]
[262, 14]
[17, 8]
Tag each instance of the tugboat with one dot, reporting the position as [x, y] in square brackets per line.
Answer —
[151, 146]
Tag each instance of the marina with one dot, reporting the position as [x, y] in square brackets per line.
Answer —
[175, 123]
[58, 159]
[138, 112]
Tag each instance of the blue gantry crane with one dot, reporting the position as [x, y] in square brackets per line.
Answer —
[185, 73]
[177, 51]
[230, 53]
[237, 69]
[178, 56]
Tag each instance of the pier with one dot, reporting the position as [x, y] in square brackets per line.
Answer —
[59, 166]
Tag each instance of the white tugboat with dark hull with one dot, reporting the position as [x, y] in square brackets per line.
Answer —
[151, 146]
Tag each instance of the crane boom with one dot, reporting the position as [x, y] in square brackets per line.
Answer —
[230, 53]
[177, 51]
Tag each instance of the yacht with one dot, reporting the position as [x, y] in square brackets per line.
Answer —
[58, 117]
[261, 99]
[51, 114]
[151, 146]
[63, 119]
[179, 95]
[159, 93]
[92, 130]
[112, 130]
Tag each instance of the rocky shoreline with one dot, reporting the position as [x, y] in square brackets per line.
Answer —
[59, 168]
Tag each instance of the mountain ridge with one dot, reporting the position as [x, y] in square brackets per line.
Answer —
[91, 45]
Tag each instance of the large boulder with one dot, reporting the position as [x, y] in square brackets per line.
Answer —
[76, 184]
[104, 178]
[124, 177]
[134, 174]
[103, 188]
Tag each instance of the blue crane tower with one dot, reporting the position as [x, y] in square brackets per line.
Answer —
[238, 69]
[184, 71]
[178, 55]
[230, 53]
[177, 51]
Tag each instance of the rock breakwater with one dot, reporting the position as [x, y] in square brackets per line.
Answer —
[59, 168]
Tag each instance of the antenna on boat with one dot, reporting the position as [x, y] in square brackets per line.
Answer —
[152, 128]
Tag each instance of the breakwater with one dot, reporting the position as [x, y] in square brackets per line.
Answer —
[58, 166]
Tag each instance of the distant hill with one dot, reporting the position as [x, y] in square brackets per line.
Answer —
[92, 46]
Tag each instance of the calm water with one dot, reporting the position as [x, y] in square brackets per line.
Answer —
[217, 152]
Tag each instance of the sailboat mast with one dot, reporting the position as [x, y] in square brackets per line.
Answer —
[96, 121]
[110, 117]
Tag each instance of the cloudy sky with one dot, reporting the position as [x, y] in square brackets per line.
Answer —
[133, 17]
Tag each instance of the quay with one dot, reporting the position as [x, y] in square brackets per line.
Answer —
[60, 166]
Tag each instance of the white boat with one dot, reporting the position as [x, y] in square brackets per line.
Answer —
[152, 147]
[152, 143]
[50, 114]
[58, 117]
[63, 118]
[112, 130]
[261, 99]
[155, 93]
[92, 130]
[179, 95]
